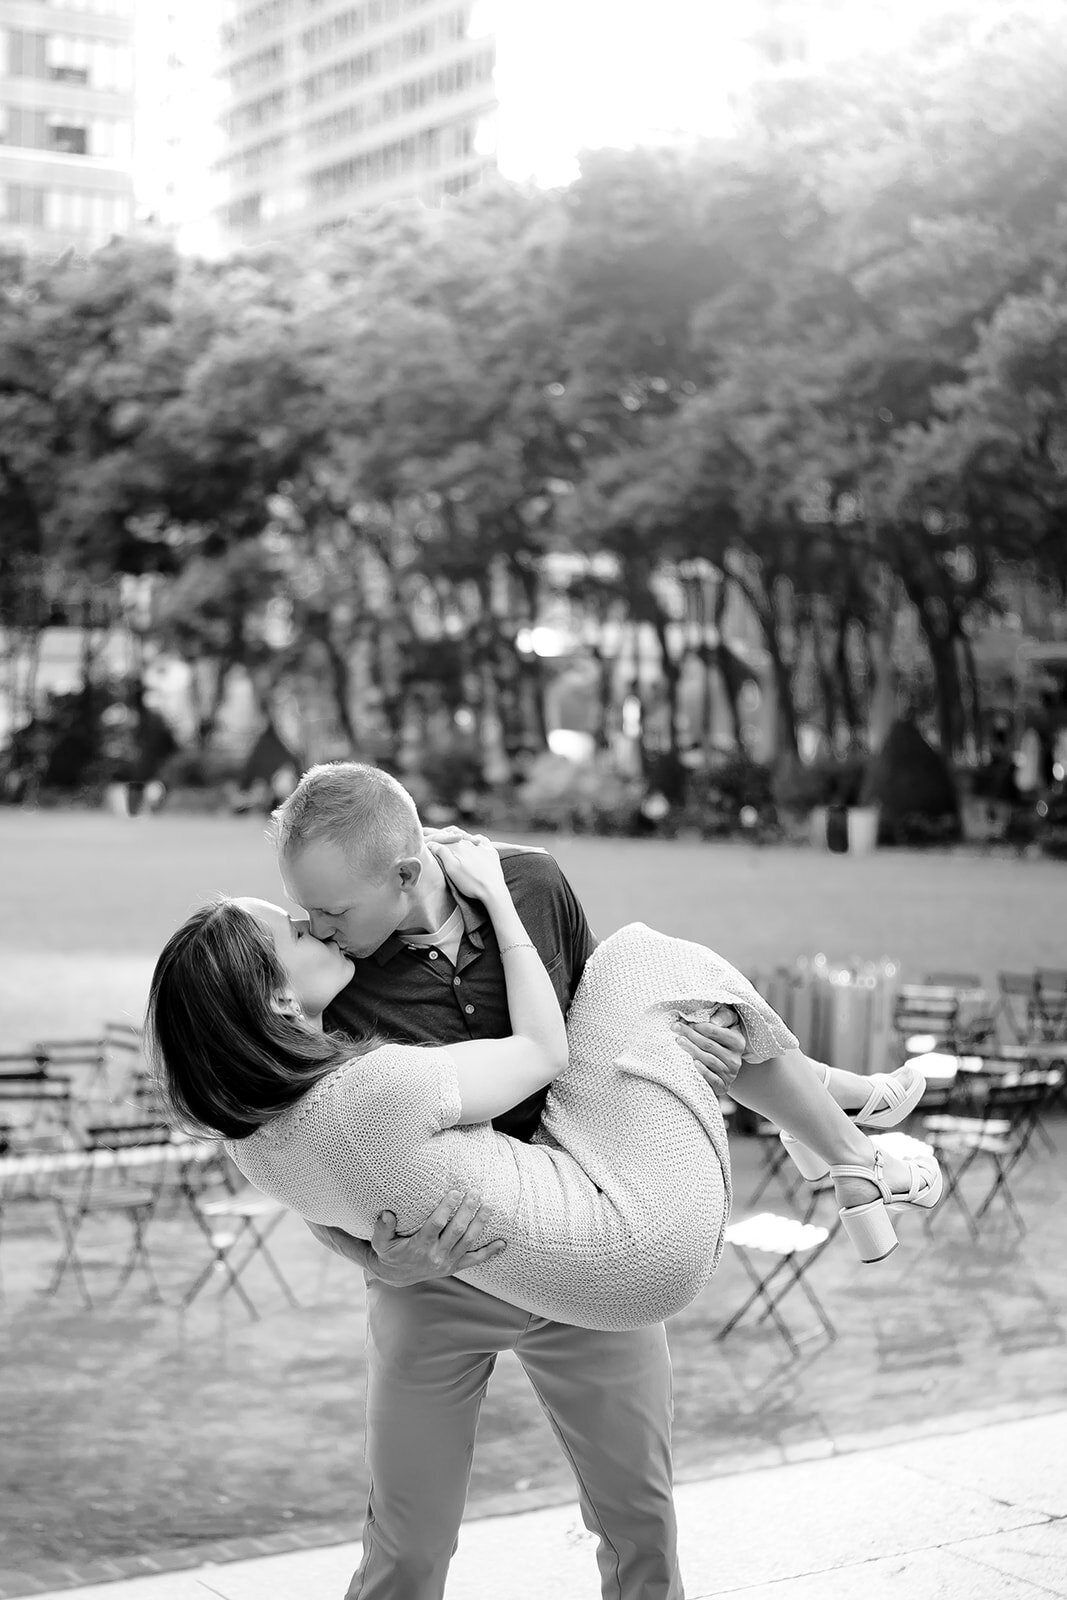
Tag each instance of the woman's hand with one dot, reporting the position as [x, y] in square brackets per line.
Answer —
[473, 865]
[717, 1046]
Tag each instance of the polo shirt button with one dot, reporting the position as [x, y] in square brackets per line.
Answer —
[469, 1010]
[433, 955]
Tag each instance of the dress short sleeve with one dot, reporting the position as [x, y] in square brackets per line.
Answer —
[374, 1129]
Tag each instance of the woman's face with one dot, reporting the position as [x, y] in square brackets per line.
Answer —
[317, 971]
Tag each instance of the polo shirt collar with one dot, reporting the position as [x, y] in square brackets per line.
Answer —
[474, 917]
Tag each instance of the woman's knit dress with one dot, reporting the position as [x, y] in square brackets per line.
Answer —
[614, 1214]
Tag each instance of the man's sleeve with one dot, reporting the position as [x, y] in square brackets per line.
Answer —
[544, 894]
[582, 941]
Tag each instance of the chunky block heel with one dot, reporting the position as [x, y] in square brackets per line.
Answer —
[870, 1230]
[869, 1226]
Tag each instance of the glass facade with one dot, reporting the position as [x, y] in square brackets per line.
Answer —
[66, 123]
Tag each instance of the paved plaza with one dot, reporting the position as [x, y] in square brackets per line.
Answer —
[190, 1422]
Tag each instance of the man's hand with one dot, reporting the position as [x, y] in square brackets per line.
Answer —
[717, 1047]
[444, 1245]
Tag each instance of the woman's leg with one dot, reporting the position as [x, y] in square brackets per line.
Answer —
[788, 1091]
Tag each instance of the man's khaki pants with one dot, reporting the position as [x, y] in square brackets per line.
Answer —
[431, 1349]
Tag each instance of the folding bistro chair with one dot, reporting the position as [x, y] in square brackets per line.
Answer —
[37, 1106]
[1008, 1061]
[1050, 1002]
[113, 1179]
[997, 1139]
[952, 980]
[1017, 1003]
[775, 1166]
[976, 1021]
[85, 1057]
[237, 1228]
[791, 1247]
[925, 1018]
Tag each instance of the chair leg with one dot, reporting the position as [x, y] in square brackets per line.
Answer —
[759, 1292]
[953, 1191]
[258, 1246]
[776, 1164]
[219, 1263]
[1001, 1186]
[261, 1248]
[69, 1228]
[138, 1256]
[771, 1299]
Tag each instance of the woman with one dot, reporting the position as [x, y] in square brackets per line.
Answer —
[614, 1215]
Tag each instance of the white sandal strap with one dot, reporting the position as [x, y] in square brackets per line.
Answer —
[889, 1099]
[871, 1174]
[920, 1179]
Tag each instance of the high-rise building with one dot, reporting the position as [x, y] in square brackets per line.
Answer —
[333, 107]
[66, 123]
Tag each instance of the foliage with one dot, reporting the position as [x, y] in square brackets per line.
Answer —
[581, 797]
[1053, 831]
[791, 403]
[914, 788]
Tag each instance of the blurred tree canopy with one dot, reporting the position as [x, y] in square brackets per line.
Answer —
[813, 376]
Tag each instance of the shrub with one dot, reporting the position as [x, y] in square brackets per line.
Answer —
[1053, 830]
[588, 796]
[452, 776]
[732, 784]
[914, 788]
[826, 781]
[200, 769]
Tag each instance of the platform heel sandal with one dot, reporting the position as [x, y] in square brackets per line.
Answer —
[870, 1227]
[893, 1096]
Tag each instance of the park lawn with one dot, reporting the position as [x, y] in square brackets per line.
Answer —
[89, 899]
[135, 1429]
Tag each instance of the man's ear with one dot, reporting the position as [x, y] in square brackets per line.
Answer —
[286, 1005]
[410, 870]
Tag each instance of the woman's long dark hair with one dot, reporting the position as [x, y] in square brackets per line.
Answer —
[226, 1060]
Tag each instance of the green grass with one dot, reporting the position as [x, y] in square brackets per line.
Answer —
[90, 898]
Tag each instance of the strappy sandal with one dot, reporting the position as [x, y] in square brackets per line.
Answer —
[891, 1100]
[870, 1227]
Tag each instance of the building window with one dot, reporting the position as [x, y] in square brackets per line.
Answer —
[24, 204]
[68, 138]
[26, 128]
[86, 212]
[27, 54]
[96, 62]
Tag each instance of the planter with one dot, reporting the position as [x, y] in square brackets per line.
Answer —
[851, 830]
[862, 830]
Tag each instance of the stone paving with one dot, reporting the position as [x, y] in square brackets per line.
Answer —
[977, 1514]
[140, 1440]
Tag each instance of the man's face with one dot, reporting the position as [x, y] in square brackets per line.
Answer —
[344, 902]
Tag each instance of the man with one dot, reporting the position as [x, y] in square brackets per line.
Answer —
[353, 855]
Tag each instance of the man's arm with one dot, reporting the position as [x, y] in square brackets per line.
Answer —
[443, 1246]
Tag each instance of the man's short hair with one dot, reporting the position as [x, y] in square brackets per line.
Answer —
[360, 808]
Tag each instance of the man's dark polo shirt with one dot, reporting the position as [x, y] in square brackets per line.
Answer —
[415, 995]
